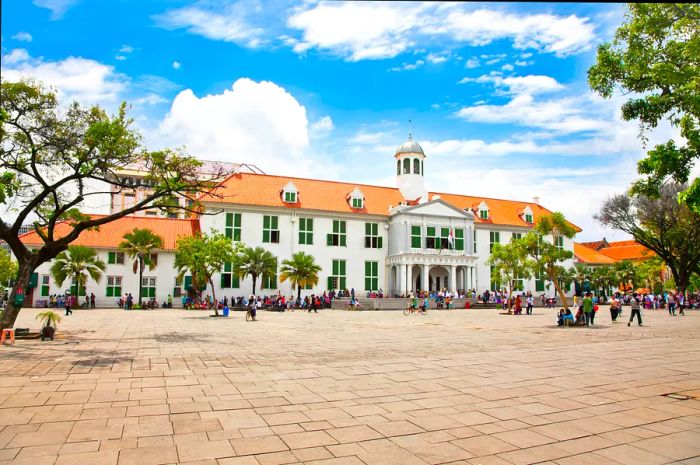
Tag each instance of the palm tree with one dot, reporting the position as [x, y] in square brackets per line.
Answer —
[581, 273]
[138, 244]
[76, 263]
[301, 270]
[625, 273]
[254, 262]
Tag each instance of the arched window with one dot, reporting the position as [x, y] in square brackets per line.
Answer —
[416, 166]
[398, 167]
[406, 166]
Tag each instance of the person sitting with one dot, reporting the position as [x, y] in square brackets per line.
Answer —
[580, 320]
[568, 318]
[560, 317]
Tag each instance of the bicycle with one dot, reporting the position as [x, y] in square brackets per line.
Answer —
[249, 315]
[411, 309]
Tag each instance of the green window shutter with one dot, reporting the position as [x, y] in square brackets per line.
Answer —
[368, 268]
[235, 282]
[117, 291]
[237, 220]
[459, 233]
[368, 229]
[34, 280]
[341, 268]
[229, 220]
[111, 258]
[336, 226]
[342, 241]
[342, 284]
[229, 233]
[188, 283]
[302, 238]
[266, 236]
[445, 232]
[44, 291]
[415, 230]
[431, 231]
[375, 229]
[335, 268]
[309, 224]
[223, 281]
[266, 222]
[375, 269]
[330, 283]
[368, 284]
[273, 222]
[415, 242]
[237, 234]
[342, 227]
[110, 291]
[329, 239]
[379, 242]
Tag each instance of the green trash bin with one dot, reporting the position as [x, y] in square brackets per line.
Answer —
[19, 299]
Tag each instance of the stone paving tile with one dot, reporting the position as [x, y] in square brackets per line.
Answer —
[173, 386]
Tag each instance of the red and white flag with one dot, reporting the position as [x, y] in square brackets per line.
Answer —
[451, 237]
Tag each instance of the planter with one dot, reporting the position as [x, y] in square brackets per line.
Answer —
[47, 332]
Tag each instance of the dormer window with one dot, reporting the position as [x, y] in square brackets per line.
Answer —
[356, 198]
[527, 215]
[483, 211]
[528, 218]
[290, 193]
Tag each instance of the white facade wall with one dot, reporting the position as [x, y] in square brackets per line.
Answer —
[164, 273]
[354, 253]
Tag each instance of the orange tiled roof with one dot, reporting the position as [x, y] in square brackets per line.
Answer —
[629, 250]
[110, 235]
[589, 256]
[596, 245]
[263, 190]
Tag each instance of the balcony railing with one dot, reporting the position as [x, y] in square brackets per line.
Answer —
[445, 252]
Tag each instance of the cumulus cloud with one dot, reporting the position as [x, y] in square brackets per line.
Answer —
[529, 85]
[23, 37]
[176, 65]
[256, 122]
[322, 127]
[74, 78]
[408, 66]
[209, 19]
[357, 31]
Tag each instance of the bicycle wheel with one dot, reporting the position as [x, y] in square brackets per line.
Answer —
[248, 316]
[406, 311]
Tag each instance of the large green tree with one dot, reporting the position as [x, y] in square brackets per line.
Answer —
[8, 268]
[301, 270]
[549, 255]
[139, 244]
[54, 158]
[669, 229]
[649, 272]
[202, 256]
[509, 263]
[77, 263]
[654, 59]
[254, 262]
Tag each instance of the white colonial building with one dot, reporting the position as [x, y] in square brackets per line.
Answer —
[397, 239]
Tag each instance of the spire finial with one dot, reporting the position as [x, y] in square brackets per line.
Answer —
[410, 130]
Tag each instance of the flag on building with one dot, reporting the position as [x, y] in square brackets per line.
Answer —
[451, 238]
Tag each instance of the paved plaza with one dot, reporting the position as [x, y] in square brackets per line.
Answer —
[339, 387]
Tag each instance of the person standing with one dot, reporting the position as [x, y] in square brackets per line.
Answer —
[68, 303]
[588, 308]
[92, 300]
[530, 303]
[634, 304]
[671, 304]
[613, 309]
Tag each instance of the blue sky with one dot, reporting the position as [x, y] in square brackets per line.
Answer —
[497, 92]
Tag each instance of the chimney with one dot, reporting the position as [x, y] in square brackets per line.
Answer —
[536, 200]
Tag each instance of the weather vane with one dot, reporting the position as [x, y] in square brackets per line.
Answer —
[410, 129]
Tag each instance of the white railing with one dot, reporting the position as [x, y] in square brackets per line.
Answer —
[445, 252]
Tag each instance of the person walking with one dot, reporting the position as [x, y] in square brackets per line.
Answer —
[613, 309]
[636, 310]
[671, 304]
[530, 303]
[67, 304]
[588, 309]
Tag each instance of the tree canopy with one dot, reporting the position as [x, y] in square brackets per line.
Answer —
[78, 262]
[510, 263]
[53, 158]
[654, 59]
[139, 245]
[202, 256]
[669, 229]
[254, 262]
[301, 270]
[8, 268]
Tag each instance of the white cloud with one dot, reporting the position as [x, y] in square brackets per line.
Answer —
[357, 31]
[149, 99]
[472, 63]
[524, 63]
[176, 65]
[74, 78]
[408, 66]
[228, 23]
[256, 122]
[126, 48]
[322, 127]
[437, 58]
[23, 37]
[507, 67]
[58, 7]
[120, 57]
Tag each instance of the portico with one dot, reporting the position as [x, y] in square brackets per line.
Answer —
[413, 272]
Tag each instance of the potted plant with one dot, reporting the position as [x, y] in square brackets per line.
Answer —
[49, 318]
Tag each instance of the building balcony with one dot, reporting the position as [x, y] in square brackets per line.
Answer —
[444, 252]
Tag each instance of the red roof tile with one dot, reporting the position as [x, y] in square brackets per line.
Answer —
[110, 235]
[591, 257]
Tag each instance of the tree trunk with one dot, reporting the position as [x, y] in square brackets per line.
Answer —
[24, 274]
[213, 294]
[255, 279]
[298, 291]
[510, 294]
[560, 291]
[140, 260]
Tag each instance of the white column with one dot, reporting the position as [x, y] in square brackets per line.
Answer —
[424, 277]
[402, 279]
[453, 278]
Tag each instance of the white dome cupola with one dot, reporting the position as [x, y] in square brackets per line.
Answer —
[410, 173]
